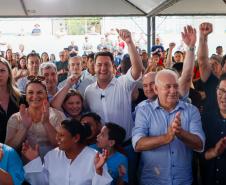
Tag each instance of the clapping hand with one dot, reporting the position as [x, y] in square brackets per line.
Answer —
[45, 112]
[25, 117]
[220, 146]
[99, 161]
[28, 152]
[176, 125]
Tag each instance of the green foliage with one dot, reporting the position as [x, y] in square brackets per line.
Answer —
[81, 26]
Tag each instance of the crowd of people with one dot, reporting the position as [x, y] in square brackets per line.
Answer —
[113, 118]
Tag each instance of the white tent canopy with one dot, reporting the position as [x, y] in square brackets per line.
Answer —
[70, 8]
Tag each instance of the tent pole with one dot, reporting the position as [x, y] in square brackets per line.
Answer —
[148, 35]
[153, 30]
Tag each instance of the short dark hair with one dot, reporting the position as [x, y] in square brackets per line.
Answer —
[33, 54]
[178, 52]
[125, 64]
[222, 78]
[91, 55]
[178, 66]
[74, 127]
[218, 47]
[223, 61]
[116, 133]
[93, 115]
[104, 53]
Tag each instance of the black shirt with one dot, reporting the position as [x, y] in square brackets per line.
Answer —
[214, 170]
[4, 117]
[210, 87]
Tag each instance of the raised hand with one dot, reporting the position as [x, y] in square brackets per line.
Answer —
[72, 79]
[100, 159]
[28, 152]
[176, 125]
[189, 36]
[172, 45]
[125, 35]
[45, 112]
[25, 117]
[205, 29]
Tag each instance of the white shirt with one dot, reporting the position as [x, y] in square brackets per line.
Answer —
[59, 170]
[113, 103]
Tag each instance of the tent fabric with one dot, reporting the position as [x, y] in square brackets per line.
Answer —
[71, 8]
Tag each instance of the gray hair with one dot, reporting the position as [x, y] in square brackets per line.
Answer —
[46, 65]
[165, 71]
[75, 57]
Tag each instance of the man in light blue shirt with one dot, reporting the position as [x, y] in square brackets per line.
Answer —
[166, 131]
[33, 63]
[75, 70]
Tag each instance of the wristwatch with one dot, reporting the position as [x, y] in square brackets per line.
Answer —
[191, 49]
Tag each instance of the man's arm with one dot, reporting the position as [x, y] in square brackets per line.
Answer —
[203, 55]
[152, 142]
[140, 137]
[58, 98]
[189, 38]
[136, 62]
[5, 178]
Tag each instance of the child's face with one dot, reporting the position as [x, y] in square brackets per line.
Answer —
[102, 139]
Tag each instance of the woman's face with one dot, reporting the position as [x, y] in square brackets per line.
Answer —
[73, 106]
[45, 57]
[4, 74]
[36, 95]
[9, 54]
[64, 139]
[22, 63]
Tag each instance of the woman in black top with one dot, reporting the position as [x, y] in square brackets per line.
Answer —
[9, 96]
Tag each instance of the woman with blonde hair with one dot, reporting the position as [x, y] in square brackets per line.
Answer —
[9, 96]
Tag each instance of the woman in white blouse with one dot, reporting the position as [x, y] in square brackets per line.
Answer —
[72, 163]
[37, 123]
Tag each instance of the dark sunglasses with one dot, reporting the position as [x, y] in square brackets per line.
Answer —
[33, 78]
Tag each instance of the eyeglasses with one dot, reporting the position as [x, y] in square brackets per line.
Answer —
[33, 78]
[221, 91]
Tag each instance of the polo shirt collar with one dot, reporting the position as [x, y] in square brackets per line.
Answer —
[180, 105]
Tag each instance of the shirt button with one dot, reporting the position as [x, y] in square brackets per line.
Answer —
[172, 152]
[217, 170]
[222, 133]
[218, 157]
[173, 165]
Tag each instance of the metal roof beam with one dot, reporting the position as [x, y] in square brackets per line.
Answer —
[162, 6]
[24, 7]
